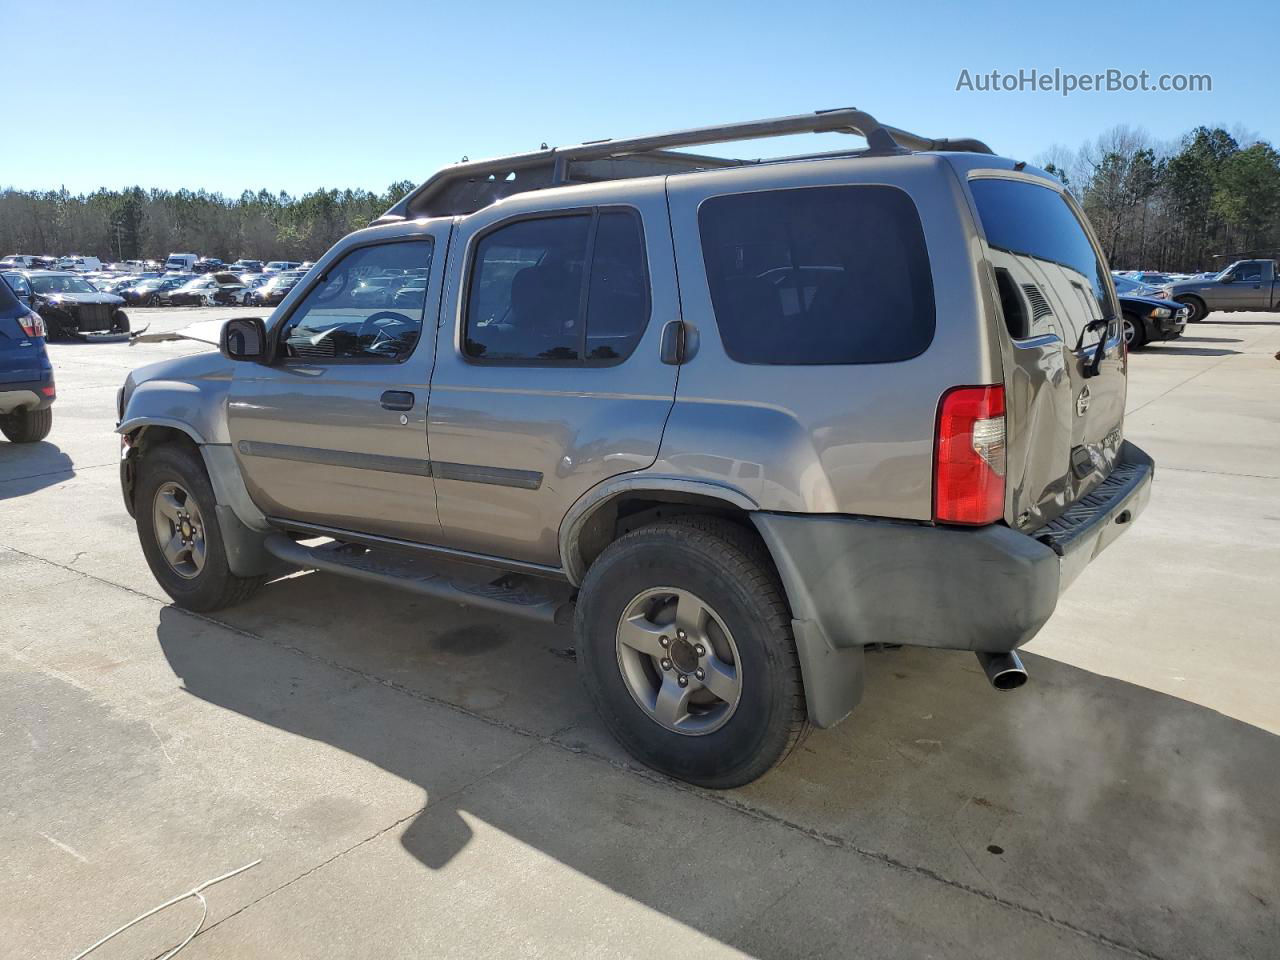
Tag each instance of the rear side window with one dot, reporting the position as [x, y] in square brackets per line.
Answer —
[1040, 247]
[565, 289]
[818, 275]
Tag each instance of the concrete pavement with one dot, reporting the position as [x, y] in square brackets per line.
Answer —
[423, 780]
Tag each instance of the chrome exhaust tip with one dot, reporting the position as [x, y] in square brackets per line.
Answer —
[1004, 670]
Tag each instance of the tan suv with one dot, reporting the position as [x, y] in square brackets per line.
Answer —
[736, 420]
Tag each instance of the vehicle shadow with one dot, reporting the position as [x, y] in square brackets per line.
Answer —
[1111, 807]
[1162, 348]
[28, 467]
[1240, 323]
[1185, 339]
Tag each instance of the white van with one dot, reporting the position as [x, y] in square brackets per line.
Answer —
[180, 262]
[78, 263]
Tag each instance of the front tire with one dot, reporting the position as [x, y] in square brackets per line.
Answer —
[1135, 334]
[120, 322]
[721, 702]
[179, 534]
[27, 426]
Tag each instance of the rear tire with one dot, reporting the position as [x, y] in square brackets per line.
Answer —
[1198, 309]
[203, 586]
[724, 571]
[27, 426]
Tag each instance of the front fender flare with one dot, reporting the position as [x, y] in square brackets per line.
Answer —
[243, 526]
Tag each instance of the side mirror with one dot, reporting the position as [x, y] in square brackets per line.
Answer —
[1229, 278]
[244, 338]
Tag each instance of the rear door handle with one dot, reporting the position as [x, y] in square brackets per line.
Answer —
[397, 400]
[671, 349]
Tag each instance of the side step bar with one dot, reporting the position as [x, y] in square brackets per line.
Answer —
[398, 569]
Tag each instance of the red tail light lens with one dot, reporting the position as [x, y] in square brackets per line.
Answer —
[32, 325]
[969, 456]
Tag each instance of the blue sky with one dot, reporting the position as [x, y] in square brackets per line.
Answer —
[298, 96]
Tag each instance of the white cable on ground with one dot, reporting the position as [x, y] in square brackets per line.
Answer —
[193, 892]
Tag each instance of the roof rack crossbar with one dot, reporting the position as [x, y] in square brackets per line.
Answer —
[471, 185]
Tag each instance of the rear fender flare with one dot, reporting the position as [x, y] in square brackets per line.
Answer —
[599, 497]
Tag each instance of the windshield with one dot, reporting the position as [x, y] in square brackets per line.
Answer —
[61, 285]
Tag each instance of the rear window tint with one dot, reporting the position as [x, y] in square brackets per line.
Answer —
[818, 275]
[1034, 224]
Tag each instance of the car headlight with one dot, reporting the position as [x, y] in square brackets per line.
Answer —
[1161, 312]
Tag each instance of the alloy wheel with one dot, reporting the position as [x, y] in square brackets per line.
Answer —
[179, 530]
[678, 661]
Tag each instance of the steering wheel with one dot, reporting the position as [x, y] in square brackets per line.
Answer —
[375, 326]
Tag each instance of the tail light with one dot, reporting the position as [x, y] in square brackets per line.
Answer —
[33, 325]
[969, 456]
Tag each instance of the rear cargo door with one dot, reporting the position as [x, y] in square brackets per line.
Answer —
[1065, 367]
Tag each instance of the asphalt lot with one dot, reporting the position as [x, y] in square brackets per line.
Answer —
[422, 780]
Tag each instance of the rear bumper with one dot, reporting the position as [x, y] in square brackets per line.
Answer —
[26, 394]
[1093, 523]
[854, 581]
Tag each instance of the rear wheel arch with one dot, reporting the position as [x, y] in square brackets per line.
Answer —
[603, 515]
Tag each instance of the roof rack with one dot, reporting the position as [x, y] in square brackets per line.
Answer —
[471, 185]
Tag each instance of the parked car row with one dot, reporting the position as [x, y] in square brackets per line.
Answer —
[1246, 285]
[174, 263]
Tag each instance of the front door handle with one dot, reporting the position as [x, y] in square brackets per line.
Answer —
[397, 400]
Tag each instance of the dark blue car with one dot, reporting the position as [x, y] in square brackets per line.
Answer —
[26, 376]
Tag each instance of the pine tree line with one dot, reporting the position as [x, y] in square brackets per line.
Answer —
[138, 224]
[1196, 204]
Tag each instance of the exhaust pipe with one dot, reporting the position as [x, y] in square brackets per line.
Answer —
[1004, 670]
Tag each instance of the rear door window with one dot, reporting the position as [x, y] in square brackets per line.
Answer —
[818, 275]
[1043, 259]
[568, 289]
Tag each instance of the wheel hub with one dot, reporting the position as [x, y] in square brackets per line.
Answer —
[179, 530]
[683, 656]
[678, 661]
